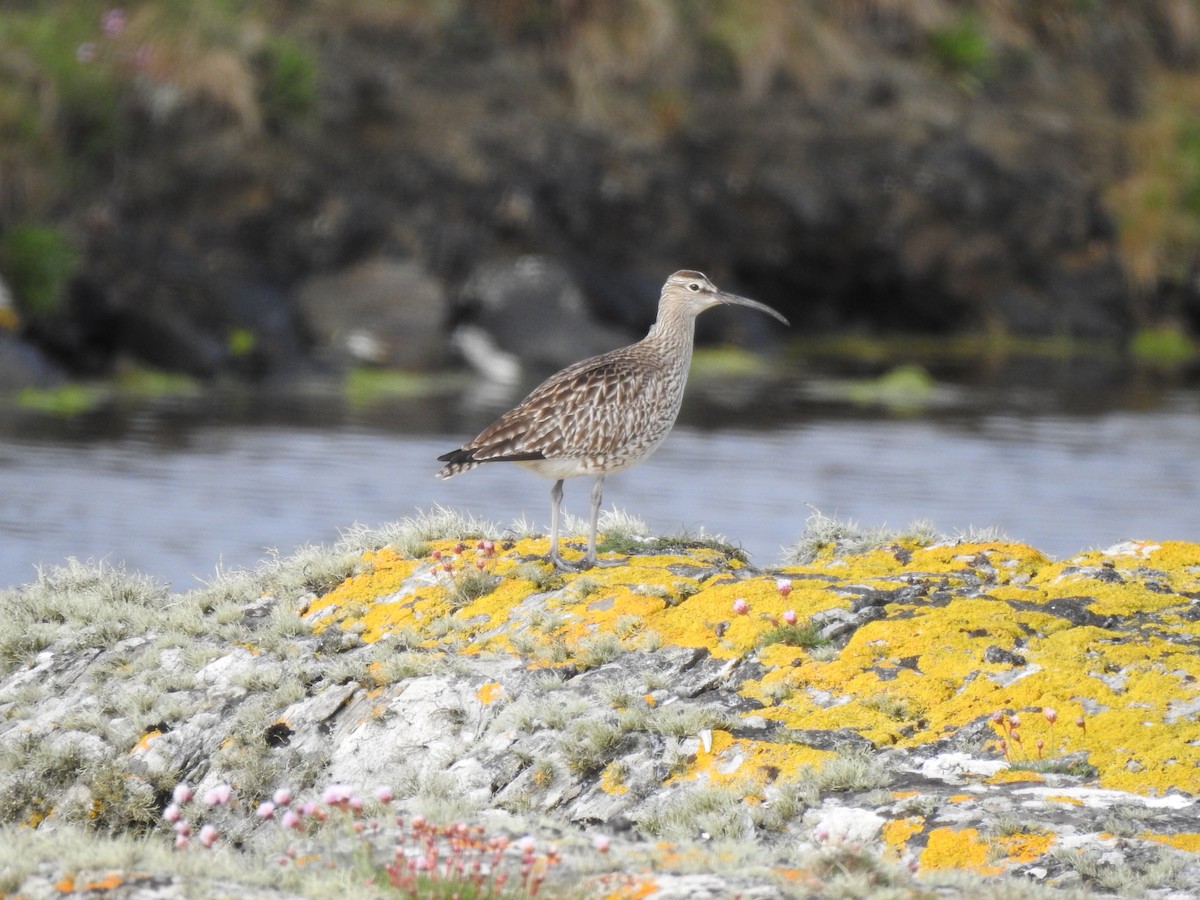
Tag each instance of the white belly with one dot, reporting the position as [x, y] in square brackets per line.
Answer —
[573, 468]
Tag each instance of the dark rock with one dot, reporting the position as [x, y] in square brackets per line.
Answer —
[381, 311]
[23, 365]
[534, 309]
[999, 656]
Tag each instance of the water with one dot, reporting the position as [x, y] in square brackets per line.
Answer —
[178, 503]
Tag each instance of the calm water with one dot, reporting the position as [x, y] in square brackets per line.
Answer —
[178, 506]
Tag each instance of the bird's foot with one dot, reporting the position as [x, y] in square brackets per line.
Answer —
[564, 565]
[608, 563]
[584, 564]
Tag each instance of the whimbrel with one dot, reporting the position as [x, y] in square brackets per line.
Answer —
[604, 414]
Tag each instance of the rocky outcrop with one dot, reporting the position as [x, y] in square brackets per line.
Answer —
[913, 715]
[881, 169]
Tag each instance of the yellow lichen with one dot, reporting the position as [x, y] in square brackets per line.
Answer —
[612, 779]
[950, 848]
[1187, 840]
[909, 678]
[734, 760]
[898, 832]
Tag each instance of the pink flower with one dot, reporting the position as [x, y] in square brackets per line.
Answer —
[181, 841]
[1051, 714]
[173, 813]
[219, 795]
[336, 795]
[290, 819]
[384, 794]
[113, 22]
[1014, 721]
[182, 793]
[282, 797]
[526, 844]
[740, 606]
[789, 616]
[208, 835]
[600, 842]
[183, 827]
[265, 810]
[784, 586]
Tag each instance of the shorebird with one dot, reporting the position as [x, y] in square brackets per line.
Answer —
[604, 414]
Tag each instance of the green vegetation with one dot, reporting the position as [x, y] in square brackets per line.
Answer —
[805, 635]
[38, 261]
[963, 50]
[1163, 346]
[66, 401]
[289, 89]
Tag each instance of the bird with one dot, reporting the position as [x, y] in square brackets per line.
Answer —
[604, 414]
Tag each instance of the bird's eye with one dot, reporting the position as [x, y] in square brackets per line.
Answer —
[693, 287]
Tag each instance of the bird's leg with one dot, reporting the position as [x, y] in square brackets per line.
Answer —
[590, 559]
[556, 495]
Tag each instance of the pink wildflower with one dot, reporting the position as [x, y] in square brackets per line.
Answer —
[740, 606]
[384, 794]
[265, 810]
[336, 795]
[173, 813]
[1051, 714]
[208, 835]
[219, 795]
[291, 819]
[282, 797]
[789, 616]
[113, 22]
[182, 793]
[784, 586]
[600, 842]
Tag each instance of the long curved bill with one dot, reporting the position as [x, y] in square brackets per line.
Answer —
[735, 300]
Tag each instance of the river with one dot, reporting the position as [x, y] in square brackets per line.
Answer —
[178, 500]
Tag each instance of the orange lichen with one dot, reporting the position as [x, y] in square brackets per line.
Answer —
[1010, 776]
[489, 693]
[146, 740]
[1063, 798]
[1026, 846]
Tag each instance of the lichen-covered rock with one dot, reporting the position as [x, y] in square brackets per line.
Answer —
[941, 709]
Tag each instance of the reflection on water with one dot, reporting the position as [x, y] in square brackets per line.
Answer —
[226, 494]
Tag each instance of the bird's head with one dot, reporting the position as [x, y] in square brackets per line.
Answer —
[692, 293]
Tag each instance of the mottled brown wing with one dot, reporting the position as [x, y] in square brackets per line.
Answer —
[589, 409]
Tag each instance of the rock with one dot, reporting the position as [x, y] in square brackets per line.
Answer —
[602, 709]
[381, 311]
[533, 309]
[23, 365]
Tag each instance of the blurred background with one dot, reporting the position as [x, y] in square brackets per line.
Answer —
[261, 262]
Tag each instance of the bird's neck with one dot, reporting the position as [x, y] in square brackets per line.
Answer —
[673, 334]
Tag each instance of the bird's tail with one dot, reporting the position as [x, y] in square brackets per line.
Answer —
[457, 462]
